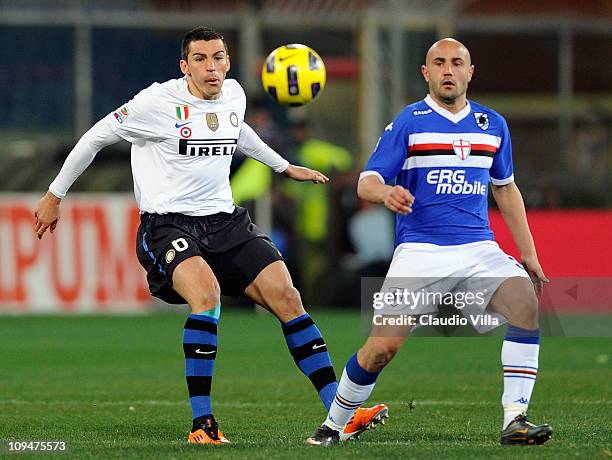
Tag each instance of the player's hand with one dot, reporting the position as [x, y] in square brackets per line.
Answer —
[301, 174]
[536, 273]
[398, 199]
[47, 214]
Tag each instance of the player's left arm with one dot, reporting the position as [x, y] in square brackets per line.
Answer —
[512, 207]
[253, 146]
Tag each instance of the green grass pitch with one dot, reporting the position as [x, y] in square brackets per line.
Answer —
[113, 387]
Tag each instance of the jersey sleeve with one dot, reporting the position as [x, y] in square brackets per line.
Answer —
[137, 119]
[390, 152]
[501, 171]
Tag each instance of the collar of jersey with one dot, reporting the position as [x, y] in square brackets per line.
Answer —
[454, 117]
[192, 98]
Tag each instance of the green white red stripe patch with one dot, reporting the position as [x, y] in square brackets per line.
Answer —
[182, 112]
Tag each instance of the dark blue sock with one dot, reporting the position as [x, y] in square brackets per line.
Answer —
[200, 347]
[358, 374]
[310, 354]
[520, 335]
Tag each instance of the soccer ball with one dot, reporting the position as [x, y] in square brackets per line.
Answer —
[293, 75]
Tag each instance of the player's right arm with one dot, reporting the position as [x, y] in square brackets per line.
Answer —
[134, 120]
[384, 166]
[396, 198]
[80, 157]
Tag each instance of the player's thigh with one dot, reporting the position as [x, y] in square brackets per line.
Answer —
[515, 299]
[194, 281]
[164, 242]
[513, 293]
[273, 289]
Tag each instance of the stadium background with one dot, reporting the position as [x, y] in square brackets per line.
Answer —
[64, 64]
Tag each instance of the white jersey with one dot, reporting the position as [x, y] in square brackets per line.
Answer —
[182, 146]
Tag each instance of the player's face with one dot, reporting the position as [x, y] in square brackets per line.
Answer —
[448, 71]
[206, 66]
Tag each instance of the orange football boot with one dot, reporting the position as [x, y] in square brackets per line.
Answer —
[207, 432]
[365, 419]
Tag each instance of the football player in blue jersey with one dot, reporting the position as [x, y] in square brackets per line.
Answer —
[431, 167]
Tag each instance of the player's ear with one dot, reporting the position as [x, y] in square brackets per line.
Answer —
[228, 62]
[425, 73]
[184, 67]
[470, 73]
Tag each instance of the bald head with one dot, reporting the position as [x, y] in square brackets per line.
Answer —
[446, 46]
[448, 70]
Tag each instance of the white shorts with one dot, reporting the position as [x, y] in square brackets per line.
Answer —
[463, 276]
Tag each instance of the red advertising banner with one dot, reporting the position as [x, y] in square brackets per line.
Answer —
[569, 242]
[574, 248]
[88, 265]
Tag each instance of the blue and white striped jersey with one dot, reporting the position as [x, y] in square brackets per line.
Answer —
[446, 161]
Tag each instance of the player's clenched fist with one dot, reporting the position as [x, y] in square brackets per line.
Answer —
[398, 199]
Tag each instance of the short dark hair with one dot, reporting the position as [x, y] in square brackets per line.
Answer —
[199, 33]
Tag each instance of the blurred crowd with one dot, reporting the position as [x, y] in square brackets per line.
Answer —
[328, 237]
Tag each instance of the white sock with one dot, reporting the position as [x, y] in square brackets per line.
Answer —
[349, 397]
[520, 363]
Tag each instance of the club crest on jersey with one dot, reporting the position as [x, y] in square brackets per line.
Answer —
[462, 148]
[212, 121]
[482, 120]
[182, 112]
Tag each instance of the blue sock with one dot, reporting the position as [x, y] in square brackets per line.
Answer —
[310, 354]
[200, 347]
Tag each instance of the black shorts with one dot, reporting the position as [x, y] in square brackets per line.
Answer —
[234, 248]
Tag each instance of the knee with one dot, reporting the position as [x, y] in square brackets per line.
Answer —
[205, 299]
[531, 312]
[526, 313]
[290, 296]
[286, 299]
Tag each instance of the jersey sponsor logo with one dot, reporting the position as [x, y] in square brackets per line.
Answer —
[422, 112]
[207, 147]
[452, 182]
[462, 148]
[182, 112]
[482, 120]
[212, 121]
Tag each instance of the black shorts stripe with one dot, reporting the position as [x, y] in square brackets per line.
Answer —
[322, 377]
[297, 327]
[199, 386]
[308, 349]
[205, 326]
[199, 351]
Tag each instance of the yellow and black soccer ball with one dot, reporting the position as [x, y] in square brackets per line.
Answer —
[293, 75]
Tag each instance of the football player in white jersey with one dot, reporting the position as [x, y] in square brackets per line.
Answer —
[192, 241]
[440, 153]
